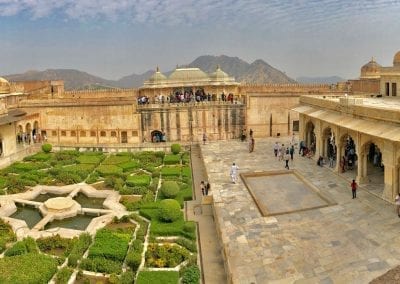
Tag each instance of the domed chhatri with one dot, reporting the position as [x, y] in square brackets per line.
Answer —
[157, 77]
[396, 59]
[371, 70]
[4, 86]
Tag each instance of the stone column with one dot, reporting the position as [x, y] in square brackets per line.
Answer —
[339, 154]
[391, 171]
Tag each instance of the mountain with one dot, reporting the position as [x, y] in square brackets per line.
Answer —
[73, 79]
[320, 80]
[258, 72]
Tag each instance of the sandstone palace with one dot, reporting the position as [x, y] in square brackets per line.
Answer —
[189, 103]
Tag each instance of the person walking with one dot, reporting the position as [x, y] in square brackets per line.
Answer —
[207, 187]
[397, 202]
[287, 157]
[204, 138]
[276, 148]
[202, 187]
[354, 188]
[233, 172]
[291, 151]
[251, 144]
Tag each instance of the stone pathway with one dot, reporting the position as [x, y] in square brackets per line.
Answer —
[213, 270]
[353, 241]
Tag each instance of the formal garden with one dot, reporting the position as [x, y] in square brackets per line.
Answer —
[151, 244]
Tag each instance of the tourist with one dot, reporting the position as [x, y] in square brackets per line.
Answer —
[291, 151]
[397, 202]
[281, 152]
[208, 186]
[276, 148]
[343, 164]
[204, 138]
[251, 132]
[301, 148]
[233, 172]
[251, 144]
[287, 157]
[320, 161]
[202, 187]
[331, 161]
[354, 188]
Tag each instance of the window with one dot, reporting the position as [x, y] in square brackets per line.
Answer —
[113, 134]
[53, 133]
[102, 133]
[295, 125]
[82, 133]
[73, 133]
[394, 89]
[134, 133]
[92, 133]
[63, 133]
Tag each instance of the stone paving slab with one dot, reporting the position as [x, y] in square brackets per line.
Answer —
[351, 242]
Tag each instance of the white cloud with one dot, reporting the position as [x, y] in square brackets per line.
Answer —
[190, 12]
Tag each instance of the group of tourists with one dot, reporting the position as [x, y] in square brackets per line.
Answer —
[187, 96]
[283, 153]
[205, 187]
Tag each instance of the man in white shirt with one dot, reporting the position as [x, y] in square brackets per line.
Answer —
[233, 173]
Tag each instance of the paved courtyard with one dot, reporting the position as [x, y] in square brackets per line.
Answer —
[352, 241]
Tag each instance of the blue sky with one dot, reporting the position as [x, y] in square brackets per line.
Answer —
[116, 38]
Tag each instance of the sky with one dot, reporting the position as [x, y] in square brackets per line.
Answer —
[112, 39]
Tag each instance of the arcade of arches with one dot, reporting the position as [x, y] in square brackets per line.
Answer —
[354, 148]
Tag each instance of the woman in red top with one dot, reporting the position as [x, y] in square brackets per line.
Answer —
[354, 188]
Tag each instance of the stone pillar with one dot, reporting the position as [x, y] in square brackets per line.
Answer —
[391, 171]
[362, 168]
[339, 154]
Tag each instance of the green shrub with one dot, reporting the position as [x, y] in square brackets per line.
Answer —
[171, 171]
[128, 166]
[189, 244]
[27, 268]
[17, 249]
[189, 227]
[165, 255]
[54, 244]
[109, 245]
[92, 178]
[79, 249]
[101, 264]
[68, 178]
[175, 148]
[170, 189]
[90, 159]
[133, 260]
[127, 277]
[6, 235]
[170, 210]
[186, 172]
[186, 158]
[3, 182]
[138, 180]
[47, 148]
[114, 160]
[191, 275]
[63, 275]
[106, 170]
[39, 157]
[172, 159]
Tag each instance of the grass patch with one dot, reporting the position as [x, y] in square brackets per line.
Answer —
[158, 277]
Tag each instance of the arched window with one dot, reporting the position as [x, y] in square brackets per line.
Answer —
[113, 134]
[103, 134]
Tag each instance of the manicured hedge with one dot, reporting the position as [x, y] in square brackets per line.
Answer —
[191, 275]
[101, 264]
[158, 277]
[25, 246]
[47, 148]
[170, 189]
[171, 171]
[56, 245]
[6, 235]
[129, 166]
[107, 170]
[90, 159]
[110, 245]
[114, 160]
[170, 210]
[175, 148]
[27, 268]
[39, 157]
[138, 180]
[172, 159]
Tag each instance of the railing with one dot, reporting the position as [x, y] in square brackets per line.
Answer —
[188, 104]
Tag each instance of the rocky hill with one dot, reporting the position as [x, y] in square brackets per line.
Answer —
[258, 72]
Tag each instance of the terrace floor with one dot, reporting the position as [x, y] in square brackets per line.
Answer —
[351, 241]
